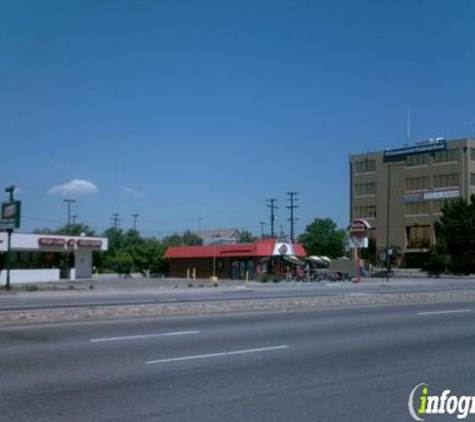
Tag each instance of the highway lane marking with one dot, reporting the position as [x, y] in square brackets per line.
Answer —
[143, 336]
[214, 355]
[454, 311]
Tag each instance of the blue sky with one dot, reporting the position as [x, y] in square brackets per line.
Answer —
[187, 110]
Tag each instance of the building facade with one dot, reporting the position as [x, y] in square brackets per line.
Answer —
[401, 193]
[240, 261]
[42, 258]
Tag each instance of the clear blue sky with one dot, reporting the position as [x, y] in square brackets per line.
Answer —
[177, 110]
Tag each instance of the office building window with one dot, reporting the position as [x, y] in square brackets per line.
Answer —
[418, 237]
[446, 156]
[417, 208]
[417, 183]
[438, 205]
[365, 166]
[364, 189]
[472, 179]
[472, 154]
[417, 160]
[446, 180]
[368, 211]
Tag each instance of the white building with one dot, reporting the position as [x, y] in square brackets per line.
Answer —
[79, 247]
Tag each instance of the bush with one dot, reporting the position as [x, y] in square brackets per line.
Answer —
[265, 278]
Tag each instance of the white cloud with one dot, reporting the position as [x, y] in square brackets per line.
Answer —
[134, 193]
[74, 187]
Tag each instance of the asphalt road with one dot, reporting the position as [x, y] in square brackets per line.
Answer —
[353, 364]
[136, 292]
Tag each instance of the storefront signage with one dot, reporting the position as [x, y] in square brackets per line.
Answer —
[51, 241]
[10, 218]
[89, 243]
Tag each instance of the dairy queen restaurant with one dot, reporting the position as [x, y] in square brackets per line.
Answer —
[237, 262]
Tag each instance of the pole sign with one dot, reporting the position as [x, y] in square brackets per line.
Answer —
[11, 215]
[359, 233]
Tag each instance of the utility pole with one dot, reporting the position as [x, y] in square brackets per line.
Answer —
[10, 190]
[262, 228]
[273, 207]
[115, 220]
[135, 221]
[292, 199]
[73, 217]
[69, 202]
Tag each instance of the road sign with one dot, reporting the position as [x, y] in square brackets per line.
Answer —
[11, 214]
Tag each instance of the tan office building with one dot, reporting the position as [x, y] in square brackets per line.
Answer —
[408, 187]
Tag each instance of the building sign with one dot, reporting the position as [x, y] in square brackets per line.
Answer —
[431, 146]
[410, 199]
[51, 241]
[447, 194]
[11, 212]
[283, 248]
[359, 233]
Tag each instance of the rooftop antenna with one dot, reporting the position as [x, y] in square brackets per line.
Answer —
[408, 134]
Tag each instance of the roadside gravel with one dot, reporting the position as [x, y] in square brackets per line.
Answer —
[224, 306]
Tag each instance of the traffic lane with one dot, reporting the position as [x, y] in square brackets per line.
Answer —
[302, 377]
[329, 319]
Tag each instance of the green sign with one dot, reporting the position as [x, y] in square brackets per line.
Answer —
[11, 212]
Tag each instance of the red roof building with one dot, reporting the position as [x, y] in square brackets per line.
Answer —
[230, 261]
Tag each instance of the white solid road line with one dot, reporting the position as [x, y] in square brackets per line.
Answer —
[454, 311]
[213, 355]
[142, 336]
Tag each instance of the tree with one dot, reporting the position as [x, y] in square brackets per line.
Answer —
[322, 237]
[75, 230]
[246, 236]
[191, 239]
[455, 233]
